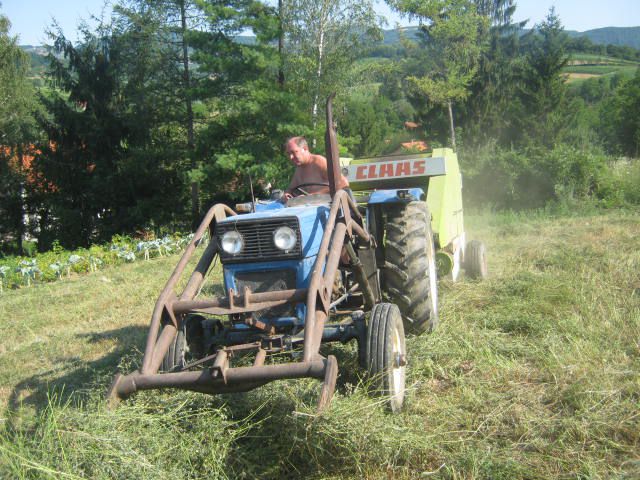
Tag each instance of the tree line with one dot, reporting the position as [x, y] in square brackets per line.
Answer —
[160, 111]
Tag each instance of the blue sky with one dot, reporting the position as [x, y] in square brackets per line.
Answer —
[29, 18]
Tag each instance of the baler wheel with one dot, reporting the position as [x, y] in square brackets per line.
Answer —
[410, 274]
[475, 260]
[386, 354]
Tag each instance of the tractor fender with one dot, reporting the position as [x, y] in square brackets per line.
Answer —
[396, 195]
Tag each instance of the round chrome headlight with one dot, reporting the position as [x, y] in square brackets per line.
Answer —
[232, 242]
[284, 238]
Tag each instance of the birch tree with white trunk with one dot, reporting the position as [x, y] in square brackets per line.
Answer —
[322, 40]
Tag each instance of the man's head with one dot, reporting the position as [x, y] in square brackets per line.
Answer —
[297, 151]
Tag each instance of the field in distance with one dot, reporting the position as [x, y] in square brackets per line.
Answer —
[583, 66]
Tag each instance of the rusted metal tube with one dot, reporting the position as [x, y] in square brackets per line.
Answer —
[331, 148]
[217, 211]
[354, 206]
[361, 277]
[260, 358]
[317, 285]
[162, 346]
[361, 232]
[197, 277]
[204, 381]
[257, 299]
[334, 255]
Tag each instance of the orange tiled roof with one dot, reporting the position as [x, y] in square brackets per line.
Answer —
[416, 145]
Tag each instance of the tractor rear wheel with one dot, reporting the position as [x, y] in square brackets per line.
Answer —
[386, 353]
[409, 274]
[475, 260]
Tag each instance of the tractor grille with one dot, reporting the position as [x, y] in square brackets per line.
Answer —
[258, 240]
[268, 281]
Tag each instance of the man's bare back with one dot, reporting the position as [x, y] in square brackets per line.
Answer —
[310, 169]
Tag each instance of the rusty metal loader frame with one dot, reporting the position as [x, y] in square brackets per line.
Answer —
[343, 228]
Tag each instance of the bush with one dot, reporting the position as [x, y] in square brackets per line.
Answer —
[514, 179]
[621, 185]
[58, 263]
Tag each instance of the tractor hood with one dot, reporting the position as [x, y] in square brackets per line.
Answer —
[309, 220]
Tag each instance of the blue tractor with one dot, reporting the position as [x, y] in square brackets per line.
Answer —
[316, 269]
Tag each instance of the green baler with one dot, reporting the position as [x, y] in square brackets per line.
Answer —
[438, 174]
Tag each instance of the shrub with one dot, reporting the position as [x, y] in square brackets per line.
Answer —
[514, 179]
[58, 263]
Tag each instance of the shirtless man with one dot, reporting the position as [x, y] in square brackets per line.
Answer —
[310, 168]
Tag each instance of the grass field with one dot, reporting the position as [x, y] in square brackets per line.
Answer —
[534, 373]
[592, 58]
[601, 69]
[583, 66]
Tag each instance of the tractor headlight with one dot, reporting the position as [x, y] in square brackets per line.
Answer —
[232, 242]
[284, 238]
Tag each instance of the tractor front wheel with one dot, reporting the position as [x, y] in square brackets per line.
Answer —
[386, 353]
[186, 345]
[174, 358]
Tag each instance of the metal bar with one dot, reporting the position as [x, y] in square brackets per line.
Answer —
[354, 208]
[260, 358]
[197, 277]
[334, 255]
[162, 346]
[361, 232]
[217, 211]
[361, 277]
[333, 333]
[220, 366]
[317, 286]
[331, 147]
[237, 379]
[344, 297]
[236, 303]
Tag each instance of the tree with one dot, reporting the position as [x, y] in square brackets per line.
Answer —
[542, 88]
[203, 73]
[368, 123]
[165, 27]
[251, 111]
[323, 39]
[485, 116]
[620, 124]
[17, 131]
[99, 177]
[451, 35]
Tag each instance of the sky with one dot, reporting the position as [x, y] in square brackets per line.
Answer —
[30, 18]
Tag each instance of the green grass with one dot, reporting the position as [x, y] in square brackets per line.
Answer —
[599, 59]
[596, 65]
[534, 373]
[601, 69]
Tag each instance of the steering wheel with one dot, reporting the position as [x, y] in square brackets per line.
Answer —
[310, 184]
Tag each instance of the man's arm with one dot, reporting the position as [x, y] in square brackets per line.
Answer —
[288, 193]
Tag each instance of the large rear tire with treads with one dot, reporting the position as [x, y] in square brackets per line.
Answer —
[409, 274]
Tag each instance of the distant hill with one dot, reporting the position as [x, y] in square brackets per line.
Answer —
[621, 36]
[393, 36]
